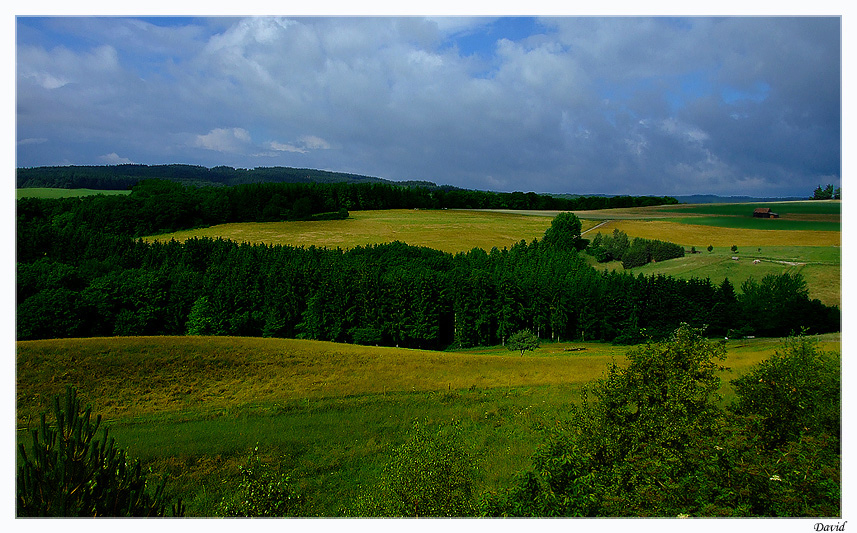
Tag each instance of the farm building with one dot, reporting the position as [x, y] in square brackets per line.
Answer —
[764, 212]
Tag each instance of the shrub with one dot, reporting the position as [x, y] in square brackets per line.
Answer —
[429, 475]
[635, 450]
[523, 341]
[797, 391]
[69, 472]
[262, 493]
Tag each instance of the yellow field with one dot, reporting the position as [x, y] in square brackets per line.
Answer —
[701, 236]
[447, 230]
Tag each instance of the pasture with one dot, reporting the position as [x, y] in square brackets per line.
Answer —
[447, 230]
[330, 414]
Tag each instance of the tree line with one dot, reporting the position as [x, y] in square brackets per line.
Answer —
[80, 272]
[404, 194]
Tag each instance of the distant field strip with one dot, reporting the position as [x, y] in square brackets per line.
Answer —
[447, 230]
[700, 236]
[45, 192]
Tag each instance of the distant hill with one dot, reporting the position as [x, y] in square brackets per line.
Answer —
[696, 198]
[123, 177]
[714, 199]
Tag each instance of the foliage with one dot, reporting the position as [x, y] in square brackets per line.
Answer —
[632, 253]
[522, 341]
[564, 232]
[826, 193]
[795, 392]
[779, 305]
[654, 442]
[80, 274]
[262, 493]
[69, 472]
[429, 475]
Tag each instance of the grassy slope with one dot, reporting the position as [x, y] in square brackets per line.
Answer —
[330, 414]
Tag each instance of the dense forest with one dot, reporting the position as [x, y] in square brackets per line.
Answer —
[81, 271]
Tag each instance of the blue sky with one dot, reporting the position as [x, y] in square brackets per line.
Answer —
[614, 105]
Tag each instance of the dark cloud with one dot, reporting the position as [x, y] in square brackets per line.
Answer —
[582, 105]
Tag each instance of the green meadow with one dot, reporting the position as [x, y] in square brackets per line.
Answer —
[329, 415]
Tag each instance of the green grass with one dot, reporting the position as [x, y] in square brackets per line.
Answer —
[329, 414]
[819, 265]
[45, 192]
[784, 209]
[767, 224]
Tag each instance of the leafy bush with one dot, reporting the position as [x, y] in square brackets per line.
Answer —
[797, 391]
[69, 472]
[654, 442]
[429, 475]
[630, 451]
[262, 493]
[523, 341]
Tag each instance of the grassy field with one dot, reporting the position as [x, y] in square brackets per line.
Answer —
[448, 230]
[45, 192]
[330, 414]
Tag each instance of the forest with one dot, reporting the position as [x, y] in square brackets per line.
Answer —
[82, 271]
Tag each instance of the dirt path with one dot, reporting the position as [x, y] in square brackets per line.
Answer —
[593, 228]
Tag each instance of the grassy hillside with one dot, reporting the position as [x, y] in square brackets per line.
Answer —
[329, 414]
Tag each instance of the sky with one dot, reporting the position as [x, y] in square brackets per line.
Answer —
[731, 105]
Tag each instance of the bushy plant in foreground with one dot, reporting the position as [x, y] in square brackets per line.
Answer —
[429, 475]
[653, 441]
[797, 391]
[68, 472]
[261, 493]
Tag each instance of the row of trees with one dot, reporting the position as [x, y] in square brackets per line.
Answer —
[161, 206]
[827, 193]
[74, 281]
[632, 253]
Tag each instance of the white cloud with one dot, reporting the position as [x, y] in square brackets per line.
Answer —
[280, 147]
[311, 142]
[114, 159]
[629, 100]
[228, 140]
[40, 140]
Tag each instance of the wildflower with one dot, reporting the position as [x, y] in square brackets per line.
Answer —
[776, 477]
[683, 515]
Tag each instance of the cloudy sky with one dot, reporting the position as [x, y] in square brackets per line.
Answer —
[614, 105]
